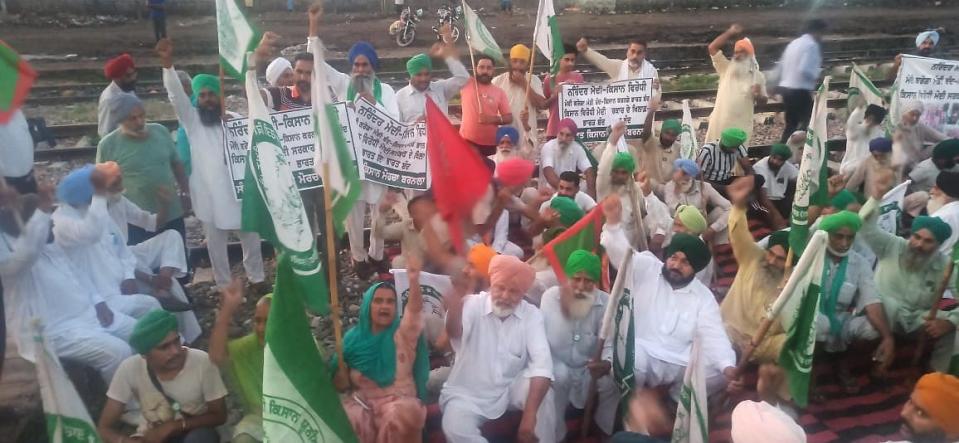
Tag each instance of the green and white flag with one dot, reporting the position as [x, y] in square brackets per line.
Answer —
[299, 401]
[890, 208]
[862, 86]
[272, 206]
[811, 186]
[687, 138]
[331, 150]
[235, 37]
[692, 416]
[67, 418]
[796, 307]
[479, 38]
[546, 35]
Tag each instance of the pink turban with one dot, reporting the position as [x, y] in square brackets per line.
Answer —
[514, 171]
[745, 45]
[568, 123]
[118, 66]
[756, 422]
[512, 272]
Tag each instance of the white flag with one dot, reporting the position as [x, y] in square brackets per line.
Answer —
[235, 37]
[890, 208]
[67, 418]
[433, 287]
[546, 35]
[687, 138]
[479, 38]
[692, 417]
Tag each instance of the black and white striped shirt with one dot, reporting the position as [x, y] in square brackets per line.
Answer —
[717, 165]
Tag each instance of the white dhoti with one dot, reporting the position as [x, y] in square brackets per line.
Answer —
[462, 419]
[216, 244]
[571, 386]
[853, 329]
[134, 305]
[165, 250]
[100, 348]
[355, 222]
[650, 372]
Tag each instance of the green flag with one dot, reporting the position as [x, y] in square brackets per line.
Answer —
[272, 206]
[692, 416]
[235, 37]
[299, 401]
[797, 306]
[811, 186]
[584, 234]
[16, 78]
[479, 38]
[67, 418]
[546, 35]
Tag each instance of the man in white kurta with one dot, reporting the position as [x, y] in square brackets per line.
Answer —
[634, 66]
[573, 314]
[41, 283]
[411, 99]
[502, 358]
[122, 73]
[211, 189]
[741, 85]
[863, 125]
[514, 83]
[946, 193]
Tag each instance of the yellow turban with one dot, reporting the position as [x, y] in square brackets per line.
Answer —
[479, 257]
[519, 51]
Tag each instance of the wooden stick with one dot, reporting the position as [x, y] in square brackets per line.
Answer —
[331, 264]
[766, 323]
[933, 311]
[222, 92]
[479, 107]
[642, 243]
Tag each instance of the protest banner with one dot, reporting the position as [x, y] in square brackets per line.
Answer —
[595, 106]
[935, 83]
[433, 287]
[390, 153]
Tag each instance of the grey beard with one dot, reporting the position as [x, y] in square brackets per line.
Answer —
[913, 261]
[768, 276]
[362, 83]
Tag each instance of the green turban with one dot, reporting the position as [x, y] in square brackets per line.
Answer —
[582, 260]
[839, 220]
[939, 229]
[732, 137]
[697, 253]
[151, 329]
[624, 161]
[843, 199]
[204, 81]
[782, 151]
[691, 218]
[672, 125]
[780, 238]
[418, 63]
[569, 211]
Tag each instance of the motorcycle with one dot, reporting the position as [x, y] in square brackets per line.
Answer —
[448, 15]
[405, 28]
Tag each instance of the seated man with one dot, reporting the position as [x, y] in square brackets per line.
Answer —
[242, 359]
[932, 412]
[779, 175]
[722, 161]
[875, 169]
[179, 390]
[39, 281]
[849, 306]
[502, 358]
[685, 189]
[664, 310]
[569, 187]
[564, 153]
[907, 275]
[690, 220]
[573, 314]
[414, 217]
[659, 152]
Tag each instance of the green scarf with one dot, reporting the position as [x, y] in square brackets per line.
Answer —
[827, 305]
[589, 154]
[377, 91]
[374, 355]
[245, 371]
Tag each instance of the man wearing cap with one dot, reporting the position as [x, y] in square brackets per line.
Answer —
[564, 153]
[658, 153]
[685, 189]
[875, 169]
[40, 281]
[946, 195]
[665, 310]
[864, 124]
[211, 189]
[411, 99]
[780, 176]
[721, 161]
[945, 157]
[179, 390]
[907, 274]
[573, 313]
[553, 87]
[122, 73]
[932, 412]
[502, 358]
[634, 66]
[525, 95]
[741, 85]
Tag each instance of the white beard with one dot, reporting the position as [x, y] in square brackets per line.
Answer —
[741, 69]
[501, 312]
[579, 307]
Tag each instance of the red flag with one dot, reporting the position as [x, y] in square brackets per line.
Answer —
[460, 177]
[584, 234]
[16, 78]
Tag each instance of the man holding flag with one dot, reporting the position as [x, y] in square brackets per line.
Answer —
[524, 92]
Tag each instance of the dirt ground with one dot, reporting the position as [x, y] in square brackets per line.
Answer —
[197, 35]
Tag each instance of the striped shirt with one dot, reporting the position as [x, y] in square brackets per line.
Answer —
[717, 165]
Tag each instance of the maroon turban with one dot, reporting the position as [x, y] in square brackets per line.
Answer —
[118, 66]
[568, 123]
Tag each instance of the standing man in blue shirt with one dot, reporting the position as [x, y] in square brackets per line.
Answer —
[158, 15]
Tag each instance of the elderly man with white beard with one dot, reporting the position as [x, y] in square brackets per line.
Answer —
[502, 358]
[573, 313]
[685, 189]
[908, 274]
[741, 85]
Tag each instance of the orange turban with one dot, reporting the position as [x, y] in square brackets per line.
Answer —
[512, 272]
[479, 257]
[110, 170]
[938, 395]
[745, 45]
[117, 66]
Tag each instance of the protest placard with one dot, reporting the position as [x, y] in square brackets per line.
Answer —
[935, 83]
[390, 153]
[595, 106]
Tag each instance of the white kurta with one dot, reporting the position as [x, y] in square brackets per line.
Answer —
[106, 121]
[125, 213]
[17, 149]
[84, 236]
[949, 213]
[858, 136]
[734, 96]
[657, 220]
[411, 103]
[516, 94]
[776, 181]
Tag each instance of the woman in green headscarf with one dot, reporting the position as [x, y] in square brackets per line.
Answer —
[387, 365]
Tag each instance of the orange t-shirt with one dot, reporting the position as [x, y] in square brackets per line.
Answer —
[493, 101]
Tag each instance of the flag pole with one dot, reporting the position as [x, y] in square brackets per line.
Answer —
[330, 235]
[767, 322]
[469, 43]
[933, 311]
[222, 92]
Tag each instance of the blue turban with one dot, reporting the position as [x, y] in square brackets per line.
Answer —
[76, 188]
[688, 167]
[880, 144]
[507, 131]
[933, 35]
[364, 48]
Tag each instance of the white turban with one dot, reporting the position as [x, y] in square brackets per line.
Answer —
[276, 68]
[761, 422]
[927, 34]
[911, 105]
